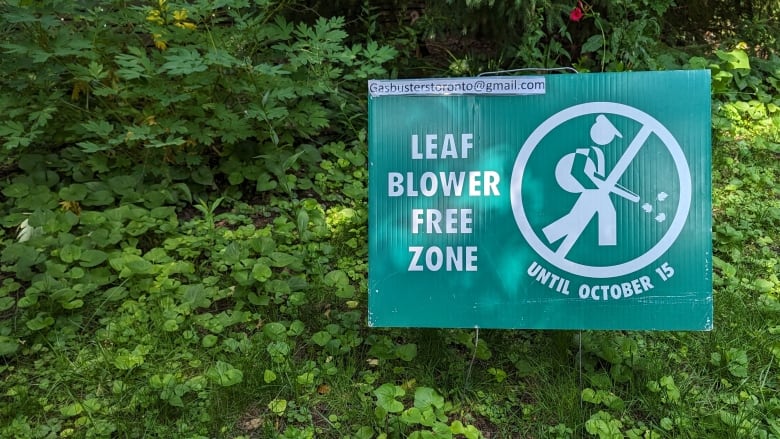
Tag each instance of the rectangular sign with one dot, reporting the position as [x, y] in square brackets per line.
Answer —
[576, 201]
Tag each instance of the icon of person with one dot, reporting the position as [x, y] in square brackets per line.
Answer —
[583, 172]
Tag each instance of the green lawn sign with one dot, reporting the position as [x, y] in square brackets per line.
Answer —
[570, 201]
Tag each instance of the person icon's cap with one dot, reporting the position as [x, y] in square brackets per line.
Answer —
[602, 132]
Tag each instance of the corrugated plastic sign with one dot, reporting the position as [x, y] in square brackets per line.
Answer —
[578, 201]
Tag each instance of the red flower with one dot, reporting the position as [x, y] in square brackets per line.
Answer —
[576, 14]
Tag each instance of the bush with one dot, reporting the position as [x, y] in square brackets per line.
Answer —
[183, 77]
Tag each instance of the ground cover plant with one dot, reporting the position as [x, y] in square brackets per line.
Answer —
[183, 228]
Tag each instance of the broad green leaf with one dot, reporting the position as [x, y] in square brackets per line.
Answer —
[275, 331]
[776, 350]
[280, 259]
[278, 350]
[74, 192]
[426, 397]
[364, 432]
[336, 278]
[128, 360]
[209, 340]
[321, 338]
[406, 352]
[16, 190]
[71, 410]
[41, 321]
[269, 376]
[305, 379]
[203, 175]
[296, 328]
[278, 406]
[114, 294]
[8, 345]
[170, 325]
[261, 272]
[134, 264]
[70, 253]
[736, 58]
[593, 44]
[195, 296]
[265, 183]
[385, 397]
[232, 254]
[225, 374]
[6, 303]
[412, 416]
[763, 285]
[259, 300]
[469, 431]
[73, 304]
[672, 391]
[499, 374]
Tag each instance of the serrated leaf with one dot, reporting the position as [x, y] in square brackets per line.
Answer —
[181, 61]
[100, 127]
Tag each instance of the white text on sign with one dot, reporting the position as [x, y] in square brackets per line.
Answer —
[455, 220]
[444, 184]
[448, 184]
[447, 259]
[448, 148]
[633, 287]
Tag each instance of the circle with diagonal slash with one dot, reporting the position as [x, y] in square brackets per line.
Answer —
[594, 271]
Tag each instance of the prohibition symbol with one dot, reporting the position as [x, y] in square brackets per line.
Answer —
[582, 171]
